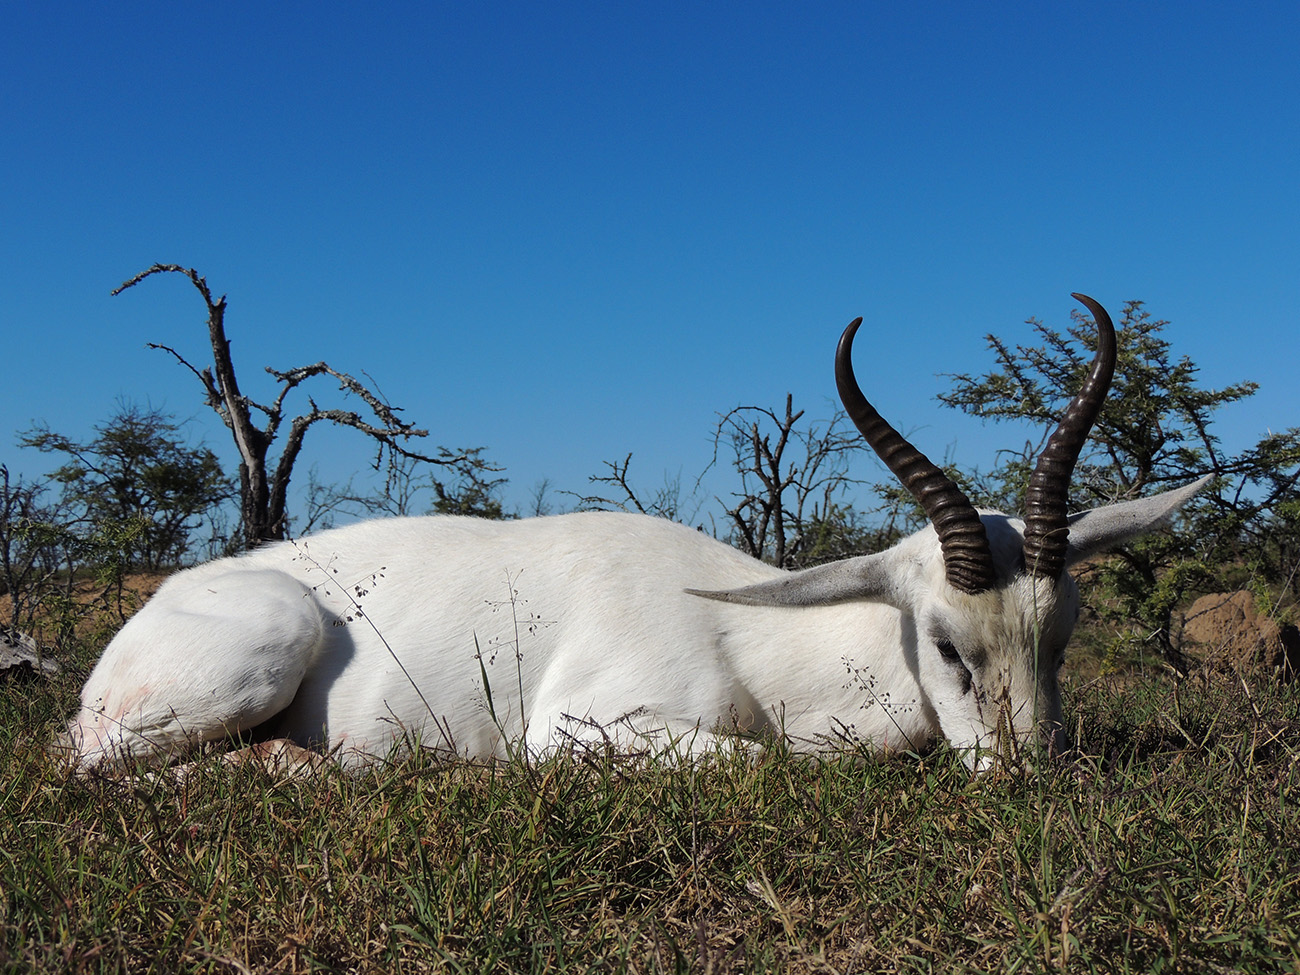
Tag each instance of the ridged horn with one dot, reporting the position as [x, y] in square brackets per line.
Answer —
[967, 559]
[1046, 529]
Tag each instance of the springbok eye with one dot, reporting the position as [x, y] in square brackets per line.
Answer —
[949, 652]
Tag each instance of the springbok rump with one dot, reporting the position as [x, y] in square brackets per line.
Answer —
[473, 636]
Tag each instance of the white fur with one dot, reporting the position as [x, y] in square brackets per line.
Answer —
[583, 627]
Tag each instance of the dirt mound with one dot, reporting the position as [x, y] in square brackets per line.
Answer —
[1228, 628]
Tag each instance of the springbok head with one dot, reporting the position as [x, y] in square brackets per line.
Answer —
[987, 602]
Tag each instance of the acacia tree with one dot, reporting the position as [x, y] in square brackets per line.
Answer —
[138, 481]
[1154, 431]
[471, 490]
[263, 485]
[28, 564]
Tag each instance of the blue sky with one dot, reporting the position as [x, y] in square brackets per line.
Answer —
[571, 231]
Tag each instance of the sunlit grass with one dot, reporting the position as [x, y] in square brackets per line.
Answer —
[1169, 844]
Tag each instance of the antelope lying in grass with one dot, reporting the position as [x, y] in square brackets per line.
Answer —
[473, 635]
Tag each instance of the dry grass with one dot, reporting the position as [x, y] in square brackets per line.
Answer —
[1168, 845]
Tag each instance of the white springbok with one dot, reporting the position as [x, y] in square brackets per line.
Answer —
[474, 636]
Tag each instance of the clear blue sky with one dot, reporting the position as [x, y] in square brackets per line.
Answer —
[570, 231]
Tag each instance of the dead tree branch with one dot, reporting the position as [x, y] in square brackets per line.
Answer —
[264, 492]
[787, 511]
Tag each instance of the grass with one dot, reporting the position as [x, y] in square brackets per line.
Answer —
[1171, 845]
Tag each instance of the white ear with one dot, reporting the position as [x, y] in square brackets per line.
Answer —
[1102, 529]
[880, 577]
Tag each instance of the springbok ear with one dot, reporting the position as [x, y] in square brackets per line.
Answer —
[879, 577]
[1102, 529]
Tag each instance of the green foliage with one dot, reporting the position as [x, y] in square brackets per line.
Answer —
[27, 563]
[1154, 429]
[1154, 432]
[467, 486]
[62, 572]
[135, 484]
[471, 490]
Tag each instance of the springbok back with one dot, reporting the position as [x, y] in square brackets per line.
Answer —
[472, 636]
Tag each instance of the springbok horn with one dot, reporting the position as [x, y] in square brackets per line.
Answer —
[1046, 529]
[967, 558]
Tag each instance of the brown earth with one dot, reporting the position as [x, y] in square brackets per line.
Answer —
[96, 609]
[1228, 629]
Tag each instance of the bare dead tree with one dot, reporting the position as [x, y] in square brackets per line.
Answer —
[666, 502]
[264, 489]
[788, 510]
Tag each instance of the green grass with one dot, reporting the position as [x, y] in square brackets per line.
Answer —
[1172, 845]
